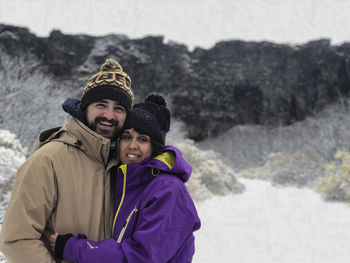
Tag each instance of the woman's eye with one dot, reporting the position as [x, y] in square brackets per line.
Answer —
[144, 139]
[126, 137]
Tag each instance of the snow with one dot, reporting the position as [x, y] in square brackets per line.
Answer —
[263, 224]
[282, 224]
[266, 224]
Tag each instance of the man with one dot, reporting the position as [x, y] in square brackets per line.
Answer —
[64, 185]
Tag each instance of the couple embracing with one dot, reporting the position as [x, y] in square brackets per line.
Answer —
[103, 187]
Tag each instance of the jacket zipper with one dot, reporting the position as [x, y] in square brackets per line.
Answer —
[126, 224]
[123, 167]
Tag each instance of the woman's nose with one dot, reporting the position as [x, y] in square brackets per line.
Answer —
[133, 144]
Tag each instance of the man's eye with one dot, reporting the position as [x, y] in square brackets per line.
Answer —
[100, 105]
[119, 109]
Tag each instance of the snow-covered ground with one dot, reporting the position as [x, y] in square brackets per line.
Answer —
[267, 224]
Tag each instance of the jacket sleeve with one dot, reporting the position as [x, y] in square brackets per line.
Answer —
[31, 203]
[167, 222]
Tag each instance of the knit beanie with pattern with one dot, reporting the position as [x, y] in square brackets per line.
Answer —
[110, 83]
[151, 118]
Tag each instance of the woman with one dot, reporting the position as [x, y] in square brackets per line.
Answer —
[155, 216]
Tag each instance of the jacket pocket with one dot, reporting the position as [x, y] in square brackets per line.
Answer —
[128, 222]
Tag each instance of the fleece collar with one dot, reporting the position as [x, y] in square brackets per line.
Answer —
[170, 162]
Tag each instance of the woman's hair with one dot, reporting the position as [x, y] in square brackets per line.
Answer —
[157, 148]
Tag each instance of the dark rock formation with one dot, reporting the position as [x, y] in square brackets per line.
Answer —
[234, 82]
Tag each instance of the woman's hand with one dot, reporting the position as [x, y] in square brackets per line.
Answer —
[52, 239]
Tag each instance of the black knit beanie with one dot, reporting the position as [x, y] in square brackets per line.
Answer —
[110, 83]
[151, 118]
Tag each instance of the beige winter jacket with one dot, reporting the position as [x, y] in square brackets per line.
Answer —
[64, 186]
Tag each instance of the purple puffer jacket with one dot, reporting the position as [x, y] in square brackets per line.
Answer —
[155, 216]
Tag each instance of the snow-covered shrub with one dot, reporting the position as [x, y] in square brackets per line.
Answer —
[12, 155]
[2, 258]
[336, 184]
[29, 103]
[323, 134]
[210, 175]
[296, 169]
[12, 152]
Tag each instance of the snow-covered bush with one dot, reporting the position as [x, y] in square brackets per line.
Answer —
[322, 135]
[12, 152]
[210, 175]
[28, 101]
[12, 155]
[336, 184]
[292, 169]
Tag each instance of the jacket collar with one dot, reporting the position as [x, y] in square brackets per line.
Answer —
[89, 141]
[171, 162]
[77, 134]
[134, 175]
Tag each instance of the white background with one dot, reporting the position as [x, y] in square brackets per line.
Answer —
[191, 22]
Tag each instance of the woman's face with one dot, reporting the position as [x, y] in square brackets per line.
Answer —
[134, 147]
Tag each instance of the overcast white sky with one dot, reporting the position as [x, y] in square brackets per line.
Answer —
[191, 22]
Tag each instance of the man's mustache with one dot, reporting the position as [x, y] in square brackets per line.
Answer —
[112, 122]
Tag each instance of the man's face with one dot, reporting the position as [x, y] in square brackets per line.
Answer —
[106, 117]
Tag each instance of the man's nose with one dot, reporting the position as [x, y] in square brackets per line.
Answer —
[109, 113]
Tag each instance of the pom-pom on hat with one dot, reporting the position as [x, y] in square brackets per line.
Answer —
[110, 83]
[151, 118]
